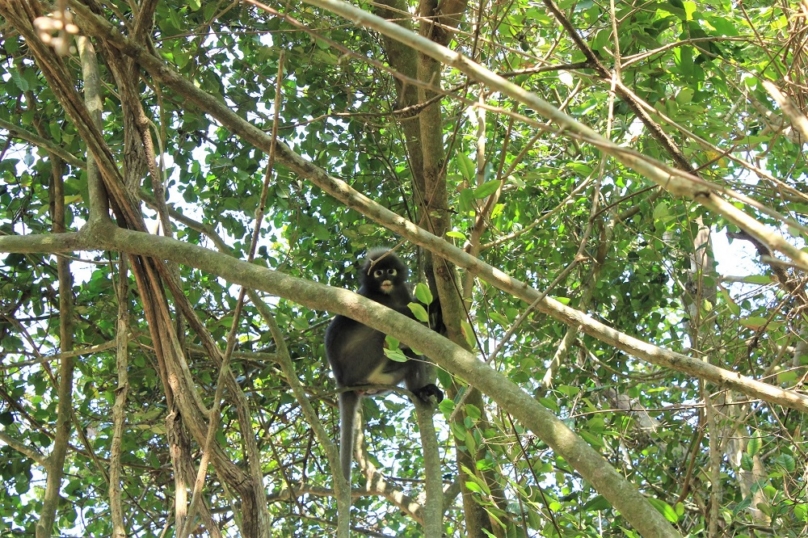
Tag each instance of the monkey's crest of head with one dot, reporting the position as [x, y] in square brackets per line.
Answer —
[382, 271]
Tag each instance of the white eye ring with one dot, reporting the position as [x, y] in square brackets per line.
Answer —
[380, 273]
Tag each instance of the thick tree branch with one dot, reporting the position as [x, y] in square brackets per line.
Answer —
[25, 450]
[678, 182]
[594, 61]
[446, 354]
[17, 132]
[675, 181]
[582, 457]
[355, 200]
[64, 402]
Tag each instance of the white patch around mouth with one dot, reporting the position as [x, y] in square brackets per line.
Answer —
[387, 286]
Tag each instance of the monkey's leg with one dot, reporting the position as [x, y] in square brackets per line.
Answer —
[419, 380]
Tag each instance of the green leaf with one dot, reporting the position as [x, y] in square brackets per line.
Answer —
[472, 411]
[722, 25]
[391, 342]
[754, 322]
[466, 166]
[466, 201]
[395, 355]
[665, 509]
[458, 430]
[550, 403]
[423, 293]
[598, 504]
[690, 9]
[746, 462]
[19, 80]
[446, 407]
[685, 96]
[174, 17]
[499, 318]
[209, 9]
[787, 377]
[801, 512]
[661, 211]
[471, 442]
[787, 462]
[731, 304]
[322, 233]
[593, 440]
[779, 23]
[468, 333]
[742, 506]
[758, 279]
[601, 38]
[754, 444]
[419, 312]
[486, 189]
[181, 58]
[684, 57]
[22, 485]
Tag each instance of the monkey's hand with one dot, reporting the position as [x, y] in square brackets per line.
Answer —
[429, 390]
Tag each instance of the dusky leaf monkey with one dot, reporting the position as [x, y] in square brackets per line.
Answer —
[356, 352]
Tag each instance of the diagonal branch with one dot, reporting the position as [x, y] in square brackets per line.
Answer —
[674, 181]
[594, 61]
[355, 200]
[151, 276]
[446, 354]
[617, 490]
[678, 182]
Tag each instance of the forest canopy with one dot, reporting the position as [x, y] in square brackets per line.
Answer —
[606, 201]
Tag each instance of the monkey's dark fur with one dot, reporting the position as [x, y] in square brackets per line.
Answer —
[356, 352]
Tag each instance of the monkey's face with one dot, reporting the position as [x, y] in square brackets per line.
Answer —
[385, 278]
[383, 273]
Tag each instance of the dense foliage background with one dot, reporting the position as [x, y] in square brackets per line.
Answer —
[678, 82]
